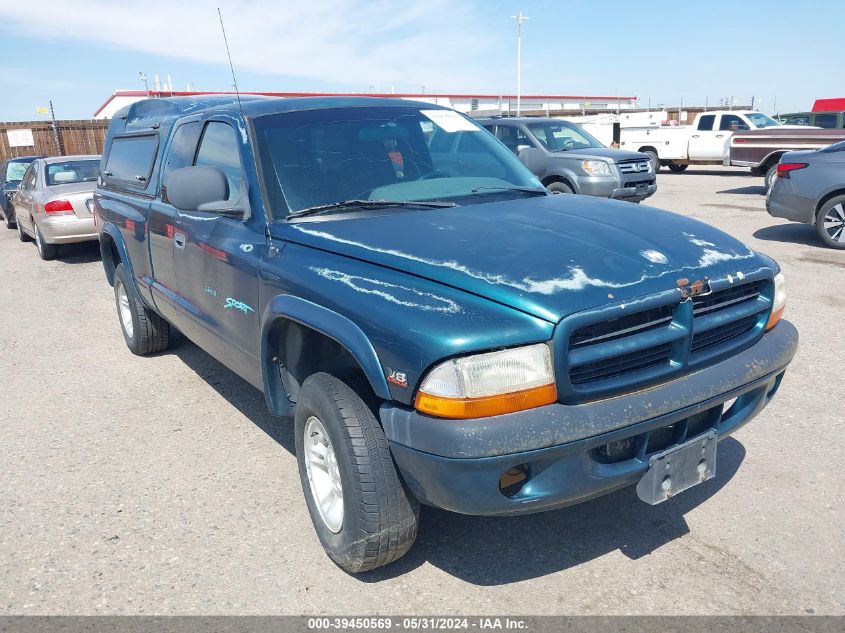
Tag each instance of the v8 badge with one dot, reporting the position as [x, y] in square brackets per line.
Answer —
[397, 378]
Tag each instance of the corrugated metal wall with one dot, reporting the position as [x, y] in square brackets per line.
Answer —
[77, 137]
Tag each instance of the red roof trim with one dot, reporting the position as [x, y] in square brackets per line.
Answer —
[398, 95]
[829, 105]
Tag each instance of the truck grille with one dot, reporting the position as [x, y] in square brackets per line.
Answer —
[659, 342]
[635, 166]
[725, 315]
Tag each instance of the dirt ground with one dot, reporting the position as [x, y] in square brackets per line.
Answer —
[162, 485]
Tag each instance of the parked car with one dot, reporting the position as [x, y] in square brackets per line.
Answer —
[826, 120]
[565, 158]
[53, 204]
[810, 188]
[11, 172]
[762, 149]
[442, 329]
[705, 142]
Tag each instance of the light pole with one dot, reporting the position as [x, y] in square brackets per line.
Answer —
[519, 20]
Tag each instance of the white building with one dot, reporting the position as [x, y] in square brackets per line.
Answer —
[481, 103]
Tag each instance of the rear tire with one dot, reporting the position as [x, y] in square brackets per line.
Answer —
[830, 222]
[45, 251]
[22, 235]
[677, 168]
[771, 172]
[559, 187]
[367, 517]
[144, 331]
[654, 159]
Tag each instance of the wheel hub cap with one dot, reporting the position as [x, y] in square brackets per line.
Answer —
[323, 474]
[834, 223]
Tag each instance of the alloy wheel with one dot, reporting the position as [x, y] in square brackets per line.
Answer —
[124, 309]
[323, 474]
[834, 223]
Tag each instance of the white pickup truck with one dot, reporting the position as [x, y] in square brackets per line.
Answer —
[704, 142]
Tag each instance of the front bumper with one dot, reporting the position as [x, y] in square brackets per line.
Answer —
[634, 194]
[67, 229]
[457, 464]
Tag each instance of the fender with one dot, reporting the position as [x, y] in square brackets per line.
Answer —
[114, 233]
[327, 322]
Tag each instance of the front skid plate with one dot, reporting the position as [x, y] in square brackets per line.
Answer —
[678, 468]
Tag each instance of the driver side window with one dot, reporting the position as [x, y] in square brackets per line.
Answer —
[219, 148]
[731, 122]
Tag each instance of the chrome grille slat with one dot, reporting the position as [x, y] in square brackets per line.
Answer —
[635, 166]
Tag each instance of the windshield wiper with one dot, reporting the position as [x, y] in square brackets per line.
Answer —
[535, 190]
[367, 204]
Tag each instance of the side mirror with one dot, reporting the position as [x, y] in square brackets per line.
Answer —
[197, 188]
[534, 159]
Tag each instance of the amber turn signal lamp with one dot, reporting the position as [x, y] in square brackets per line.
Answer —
[465, 408]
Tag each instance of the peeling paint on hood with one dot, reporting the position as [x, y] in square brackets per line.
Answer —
[548, 256]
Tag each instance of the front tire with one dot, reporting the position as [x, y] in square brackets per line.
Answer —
[559, 187]
[362, 512]
[830, 222]
[9, 219]
[677, 168]
[654, 159]
[144, 331]
[45, 251]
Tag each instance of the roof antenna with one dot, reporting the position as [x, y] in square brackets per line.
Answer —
[229, 55]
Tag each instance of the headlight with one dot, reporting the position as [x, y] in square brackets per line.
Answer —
[489, 384]
[596, 167]
[778, 301]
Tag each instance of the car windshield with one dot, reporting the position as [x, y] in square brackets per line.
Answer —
[761, 120]
[72, 171]
[320, 157]
[559, 136]
[15, 171]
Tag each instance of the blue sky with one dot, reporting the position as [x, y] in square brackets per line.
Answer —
[77, 52]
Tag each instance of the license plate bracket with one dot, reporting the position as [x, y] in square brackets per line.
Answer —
[679, 468]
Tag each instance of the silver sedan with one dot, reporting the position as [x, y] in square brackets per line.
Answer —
[54, 202]
[810, 188]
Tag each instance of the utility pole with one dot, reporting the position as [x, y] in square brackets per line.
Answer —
[57, 133]
[519, 20]
[143, 77]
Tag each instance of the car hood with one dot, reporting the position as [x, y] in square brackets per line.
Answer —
[615, 155]
[549, 256]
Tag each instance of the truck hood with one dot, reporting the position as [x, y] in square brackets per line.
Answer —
[599, 152]
[548, 256]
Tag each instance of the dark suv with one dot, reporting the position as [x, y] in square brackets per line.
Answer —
[11, 172]
[442, 329]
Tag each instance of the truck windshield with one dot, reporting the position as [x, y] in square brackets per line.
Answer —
[560, 136]
[761, 120]
[329, 156]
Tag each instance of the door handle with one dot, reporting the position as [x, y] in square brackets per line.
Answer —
[694, 136]
[720, 136]
[179, 240]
